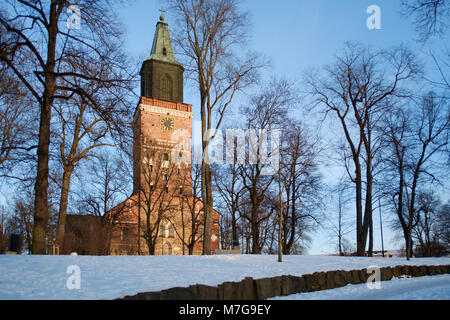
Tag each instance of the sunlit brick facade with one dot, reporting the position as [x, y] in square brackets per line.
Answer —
[162, 204]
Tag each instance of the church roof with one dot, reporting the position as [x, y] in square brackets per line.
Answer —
[162, 44]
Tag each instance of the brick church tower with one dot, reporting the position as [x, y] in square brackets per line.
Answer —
[162, 123]
[162, 206]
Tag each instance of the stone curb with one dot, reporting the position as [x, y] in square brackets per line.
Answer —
[260, 289]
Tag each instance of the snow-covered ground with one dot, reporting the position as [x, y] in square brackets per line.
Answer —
[110, 277]
[423, 288]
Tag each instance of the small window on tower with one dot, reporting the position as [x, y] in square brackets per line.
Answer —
[162, 230]
[164, 51]
[171, 231]
[201, 233]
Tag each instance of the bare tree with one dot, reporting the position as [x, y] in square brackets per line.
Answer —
[209, 35]
[3, 236]
[24, 219]
[266, 112]
[355, 89]
[191, 208]
[83, 129]
[430, 228]
[441, 229]
[432, 134]
[442, 64]
[157, 198]
[416, 137]
[396, 135]
[426, 217]
[230, 190]
[431, 21]
[19, 219]
[42, 52]
[16, 120]
[101, 196]
[338, 223]
[301, 183]
[430, 16]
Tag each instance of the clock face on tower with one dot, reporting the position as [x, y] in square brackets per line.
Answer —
[167, 123]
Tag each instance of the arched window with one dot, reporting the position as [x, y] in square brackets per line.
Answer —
[162, 230]
[171, 230]
[167, 249]
[166, 87]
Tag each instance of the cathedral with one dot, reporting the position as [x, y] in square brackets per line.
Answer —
[162, 216]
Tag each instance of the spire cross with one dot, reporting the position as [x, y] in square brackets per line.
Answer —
[162, 14]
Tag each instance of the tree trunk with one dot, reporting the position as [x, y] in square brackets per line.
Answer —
[64, 199]
[41, 184]
[151, 248]
[401, 183]
[412, 201]
[206, 172]
[207, 208]
[291, 207]
[280, 222]
[368, 217]
[360, 241]
[370, 251]
[255, 225]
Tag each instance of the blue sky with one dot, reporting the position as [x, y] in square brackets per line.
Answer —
[296, 35]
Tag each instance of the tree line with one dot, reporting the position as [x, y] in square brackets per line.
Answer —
[66, 99]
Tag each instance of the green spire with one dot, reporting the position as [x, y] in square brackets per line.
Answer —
[162, 44]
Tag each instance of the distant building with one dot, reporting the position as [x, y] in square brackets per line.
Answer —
[85, 234]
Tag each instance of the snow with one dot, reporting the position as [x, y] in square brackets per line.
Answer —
[422, 288]
[109, 277]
